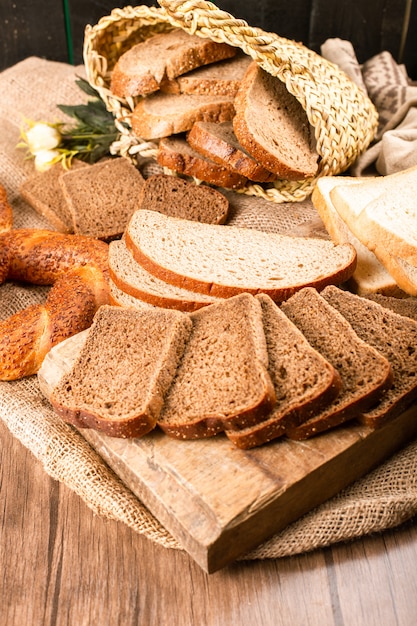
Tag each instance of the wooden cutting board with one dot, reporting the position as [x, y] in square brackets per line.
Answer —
[218, 501]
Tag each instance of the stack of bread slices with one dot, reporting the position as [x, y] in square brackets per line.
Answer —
[213, 112]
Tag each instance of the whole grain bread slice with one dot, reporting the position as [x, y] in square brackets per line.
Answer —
[394, 336]
[222, 377]
[178, 197]
[303, 379]
[403, 306]
[44, 194]
[177, 155]
[364, 371]
[132, 279]
[118, 383]
[218, 79]
[164, 114]
[227, 260]
[273, 127]
[102, 197]
[142, 68]
[218, 142]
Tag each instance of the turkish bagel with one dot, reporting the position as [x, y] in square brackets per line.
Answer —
[77, 268]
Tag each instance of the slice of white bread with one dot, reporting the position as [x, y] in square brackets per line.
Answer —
[394, 336]
[218, 79]
[183, 198]
[141, 69]
[382, 213]
[177, 155]
[102, 197]
[273, 127]
[304, 380]
[164, 114]
[364, 371]
[370, 276]
[222, 377]
[218, 142]
[227, 260]
[134, 280]
[44, 194]
[119, 381]
[120, 298]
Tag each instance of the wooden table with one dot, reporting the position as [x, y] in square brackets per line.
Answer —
[62, 565]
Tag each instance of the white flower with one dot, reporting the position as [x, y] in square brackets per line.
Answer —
[44, 159]
[42, 136]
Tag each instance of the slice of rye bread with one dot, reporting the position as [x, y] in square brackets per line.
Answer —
[403, 306]
[164, 114]
[176, 154]
[364, 371]
[303, 379]
[218, 142]
[122, 299]
[227, 260]
[142, 68]
[218, 79]
[178, 197]
[102, 197]
[222, 377]
[118, 383]
[273, 127]
[135, 281]
[394, 336]
[44, 194]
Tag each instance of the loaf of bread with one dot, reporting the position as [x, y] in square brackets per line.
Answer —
[132, 279]
[227, 260]
[102, 197]
[163, 114]
[273, 127]
[218, 142]
[217, 79]
[395, 337]
[303, 379]
[118, 383]
[176, 154]
[222, 378]
[143, 68]
[365, 372]
[178, 197]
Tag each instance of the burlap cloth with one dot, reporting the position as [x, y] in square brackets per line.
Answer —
[383, 499]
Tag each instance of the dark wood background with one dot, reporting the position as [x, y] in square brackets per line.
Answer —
[55, 30]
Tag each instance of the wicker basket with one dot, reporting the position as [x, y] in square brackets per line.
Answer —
[344, 119]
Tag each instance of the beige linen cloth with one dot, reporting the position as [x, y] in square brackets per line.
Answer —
[383, 499]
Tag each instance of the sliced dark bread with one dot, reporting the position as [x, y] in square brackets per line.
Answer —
[273, 127]
[142, 69]
[403, 306]
[303, 379]
[118, 383]
[176, 154]
[218, 142]
[364, 372]
[135, 281]
[394, 336]
[178, 197]
[44, 194]
[226, 260]
[222, 377]
[164, 114]
[218, 79]
[102, 197]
